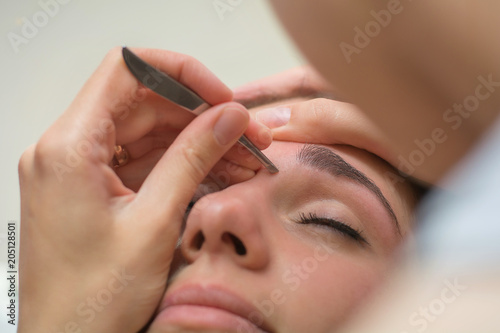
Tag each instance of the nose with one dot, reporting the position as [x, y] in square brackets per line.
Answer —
[223, 224]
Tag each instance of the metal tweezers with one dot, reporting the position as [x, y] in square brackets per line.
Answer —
[174, 91]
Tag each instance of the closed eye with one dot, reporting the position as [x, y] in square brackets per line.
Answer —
[337, 226]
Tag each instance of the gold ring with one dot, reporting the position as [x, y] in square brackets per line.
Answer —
[121, 156]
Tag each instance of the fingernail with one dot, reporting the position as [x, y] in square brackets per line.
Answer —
[231, 123]
[274, 117]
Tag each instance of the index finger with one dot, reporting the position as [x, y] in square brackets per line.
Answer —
[325, 121]
[296, 82]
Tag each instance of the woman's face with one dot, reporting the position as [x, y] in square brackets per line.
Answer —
[298, 251]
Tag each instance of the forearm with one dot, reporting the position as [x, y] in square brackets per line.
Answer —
[413, 74]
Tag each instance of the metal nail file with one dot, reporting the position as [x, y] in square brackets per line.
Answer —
[174, 91]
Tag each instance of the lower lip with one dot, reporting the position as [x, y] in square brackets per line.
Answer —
[198, 317]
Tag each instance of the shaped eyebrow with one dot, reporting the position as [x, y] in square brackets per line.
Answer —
[323, 159]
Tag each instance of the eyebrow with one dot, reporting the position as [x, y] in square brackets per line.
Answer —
[324, 159]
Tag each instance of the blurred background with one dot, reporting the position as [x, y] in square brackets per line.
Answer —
[49, 49]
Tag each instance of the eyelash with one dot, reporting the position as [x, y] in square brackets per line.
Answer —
[340, 227]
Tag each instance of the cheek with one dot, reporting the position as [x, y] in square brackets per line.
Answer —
[323, 289]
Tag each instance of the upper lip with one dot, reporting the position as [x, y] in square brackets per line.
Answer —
[216, 297]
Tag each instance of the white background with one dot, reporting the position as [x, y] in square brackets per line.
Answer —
[41, 77]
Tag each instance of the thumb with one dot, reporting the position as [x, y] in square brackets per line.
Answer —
[173, 181]
[329, 122]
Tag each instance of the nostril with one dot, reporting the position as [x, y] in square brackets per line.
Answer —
[198, 240]
[239, 247]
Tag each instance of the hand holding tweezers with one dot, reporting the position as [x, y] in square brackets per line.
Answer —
[176, 92]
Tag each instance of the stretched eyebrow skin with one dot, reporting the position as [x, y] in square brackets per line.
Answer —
[324, 159]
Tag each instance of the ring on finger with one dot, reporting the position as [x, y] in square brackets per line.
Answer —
[121, 156]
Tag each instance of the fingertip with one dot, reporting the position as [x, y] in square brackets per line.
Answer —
[226, 173]
[274, 117]
[259, 134]
[232, 122]
[265, 137]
